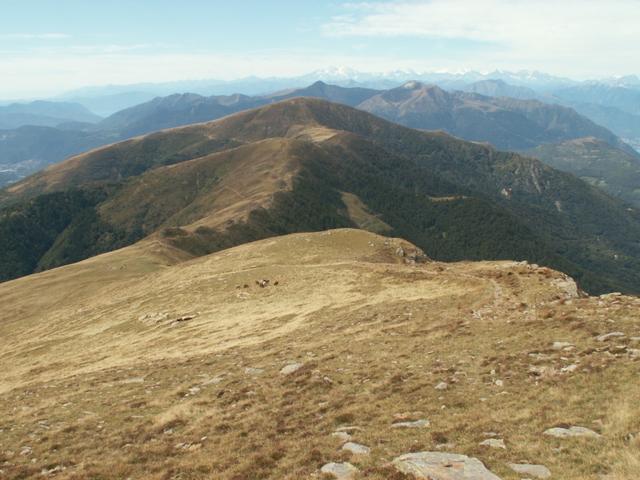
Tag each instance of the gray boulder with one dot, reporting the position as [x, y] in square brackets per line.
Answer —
[561, 432]
[443, 466]
[356, 448]
[340, 471]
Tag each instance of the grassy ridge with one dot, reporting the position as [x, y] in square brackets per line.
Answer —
[201, 191]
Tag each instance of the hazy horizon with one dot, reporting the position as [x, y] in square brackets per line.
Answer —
[73, 44]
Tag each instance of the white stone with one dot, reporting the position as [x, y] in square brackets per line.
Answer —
[342, 436]
[356, 448]
[443, 466]
[494, 443]
[340, 471]
[442, 386]
[572, 432]
[561, 345]
[608, 336]
[569, 368]
[291, 368]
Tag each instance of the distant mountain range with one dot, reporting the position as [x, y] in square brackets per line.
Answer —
[174, 110]
[341, 76]
[507, 123]
[44, 114]
[500, 88]
[307, 164]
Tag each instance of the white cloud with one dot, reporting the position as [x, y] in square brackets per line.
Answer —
[111, 48]
[589, 34]
[575, 38]
[34, 36]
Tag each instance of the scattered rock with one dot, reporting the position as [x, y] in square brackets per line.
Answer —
[617, 349]
[291, 368]
[567, 285]
[349, 428]
[499, 383]
[340, 471]
[494, 443]
[423, 423]
[537, 471]
[183, 318]
[356, 448]
[254, 372]
[443, 466]
[194, 390]
[45, 472]
[417, 256]
[442, 386]
[539, 370]
[609, 336]
[192, 447]
[569, 368]
[634, 352]
[342, 436]
[561, 432]
[562, 345]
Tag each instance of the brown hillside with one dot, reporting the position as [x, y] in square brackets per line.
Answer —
[301, 165]
[126, 366]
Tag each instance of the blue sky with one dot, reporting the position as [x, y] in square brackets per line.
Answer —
[48, 46]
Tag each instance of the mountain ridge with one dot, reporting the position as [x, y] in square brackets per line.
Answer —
[508, 124]
[500, 204]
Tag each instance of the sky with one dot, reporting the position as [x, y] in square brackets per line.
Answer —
[51, 46]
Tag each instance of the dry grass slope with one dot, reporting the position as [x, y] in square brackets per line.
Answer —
[138, 364]
[226, 182]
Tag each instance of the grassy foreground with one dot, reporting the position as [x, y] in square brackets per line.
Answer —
[138, 364]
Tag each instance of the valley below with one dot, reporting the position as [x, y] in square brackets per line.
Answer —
[315, 355]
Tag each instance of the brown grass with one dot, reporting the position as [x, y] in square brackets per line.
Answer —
[95, 392]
